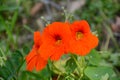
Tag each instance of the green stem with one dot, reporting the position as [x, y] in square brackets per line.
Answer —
[60, 73]
[3, 56]
[28, 28]
[82, 66]
[76, 63]
[20, 66]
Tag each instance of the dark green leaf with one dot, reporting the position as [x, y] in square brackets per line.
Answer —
[8, 8]
[94, 57]
[10, 70]
[96, 73]
[2, 24]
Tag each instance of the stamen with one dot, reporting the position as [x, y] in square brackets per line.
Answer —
[58, 42]
[79, 35]
[57, 39]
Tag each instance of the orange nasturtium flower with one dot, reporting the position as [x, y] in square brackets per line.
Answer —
[82, 39]
[55, 37]
[59, 38]
[33, 59]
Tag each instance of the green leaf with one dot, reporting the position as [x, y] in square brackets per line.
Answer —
[45, 74]
[96, 73]
[14, 19]
[94, 58]
[105, 77]
[8, 8]
[115, 58]
[4, 73]
[26, 75]
[115, 78]
[12, 66]
[41, 75]
[23, 75]
[2, 24]
[16, 58]
[26, 50]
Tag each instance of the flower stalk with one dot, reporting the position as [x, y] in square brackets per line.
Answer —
[82, 66]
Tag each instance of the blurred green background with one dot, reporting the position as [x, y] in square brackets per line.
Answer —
[20, 18]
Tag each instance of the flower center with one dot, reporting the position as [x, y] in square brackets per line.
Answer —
[57, 39]
[79, 35]
[58, 42]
